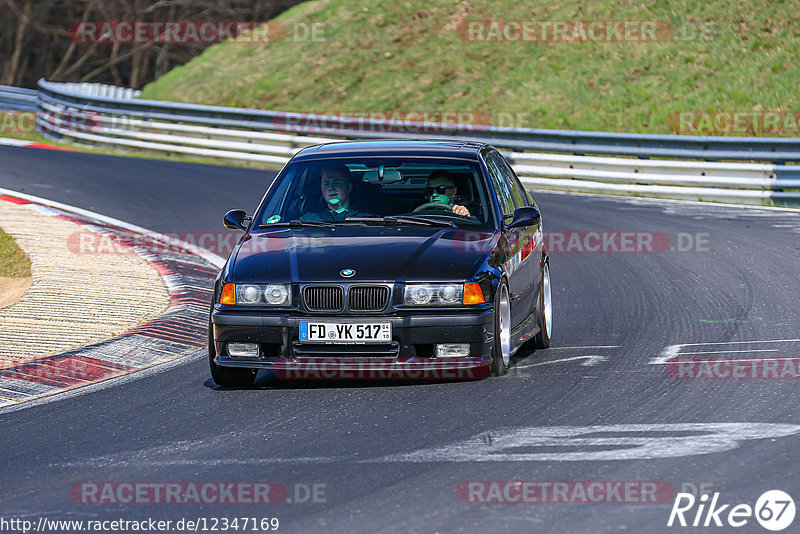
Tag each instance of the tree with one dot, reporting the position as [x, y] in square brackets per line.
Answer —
[51, 38]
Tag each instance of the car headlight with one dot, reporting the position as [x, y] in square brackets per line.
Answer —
[248, 294]
[277, 295]
[433, 294]
[258, 295]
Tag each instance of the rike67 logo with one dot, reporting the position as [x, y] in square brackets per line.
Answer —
[774, 510]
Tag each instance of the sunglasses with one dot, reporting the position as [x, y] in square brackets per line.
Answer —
[440, 189]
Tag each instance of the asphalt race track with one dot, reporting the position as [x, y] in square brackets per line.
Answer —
[396, 457]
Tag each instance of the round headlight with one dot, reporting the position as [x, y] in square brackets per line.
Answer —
[449, 294]
[421, 294]
[249, 294]
[276, 295]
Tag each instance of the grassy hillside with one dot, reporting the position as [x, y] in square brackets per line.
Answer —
[412, 56]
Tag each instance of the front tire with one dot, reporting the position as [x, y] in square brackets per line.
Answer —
[236, 377]
[501, 349]
[545, 311]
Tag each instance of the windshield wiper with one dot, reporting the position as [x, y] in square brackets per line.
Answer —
[421, 221]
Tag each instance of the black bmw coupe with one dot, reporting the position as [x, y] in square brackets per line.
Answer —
[383, 259]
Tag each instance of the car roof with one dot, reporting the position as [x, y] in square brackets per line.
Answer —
[449, 149]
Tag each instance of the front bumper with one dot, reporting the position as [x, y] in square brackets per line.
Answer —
[410, 355]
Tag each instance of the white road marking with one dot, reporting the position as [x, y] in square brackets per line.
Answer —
[599, 443]
[667, 354]
[591, 359]
[737, 342]
[14, 142]
[705, 206]
[728, 351]
[714, 360]
[587, 347]
[672, 351]
[519, 444]
[210, 462]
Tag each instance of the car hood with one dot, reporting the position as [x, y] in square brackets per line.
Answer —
[376, 254]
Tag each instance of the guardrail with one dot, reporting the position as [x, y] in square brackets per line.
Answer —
[266, 137]
[101, 89]
[17, 99]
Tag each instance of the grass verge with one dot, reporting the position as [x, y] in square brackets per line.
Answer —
[14, 263]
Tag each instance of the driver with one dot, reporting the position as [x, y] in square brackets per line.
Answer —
[336, 185]
[441, 189]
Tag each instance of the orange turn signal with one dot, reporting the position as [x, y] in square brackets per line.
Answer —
[228, 295]
[473, 294]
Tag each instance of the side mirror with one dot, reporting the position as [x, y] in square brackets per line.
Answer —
[234, 219]
[525, 216]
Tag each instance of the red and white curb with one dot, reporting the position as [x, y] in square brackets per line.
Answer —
[30, 144]
[179, 332]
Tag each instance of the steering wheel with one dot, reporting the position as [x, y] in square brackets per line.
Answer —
[434, 205]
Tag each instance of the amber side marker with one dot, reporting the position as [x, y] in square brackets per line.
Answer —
[473, 294]
[228, 295]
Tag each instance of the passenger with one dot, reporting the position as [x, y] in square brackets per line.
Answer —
[336, 185]
[441, 189]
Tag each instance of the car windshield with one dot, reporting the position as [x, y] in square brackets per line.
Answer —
[379, 191]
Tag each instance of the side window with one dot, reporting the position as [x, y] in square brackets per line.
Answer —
[501, 187]
[517, 191]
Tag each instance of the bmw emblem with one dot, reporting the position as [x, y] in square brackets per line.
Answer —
[347, 273]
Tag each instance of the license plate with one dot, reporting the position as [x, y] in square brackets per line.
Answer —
[313, 332]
